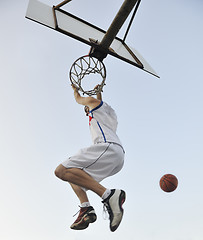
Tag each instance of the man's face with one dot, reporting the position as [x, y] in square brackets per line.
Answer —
[87, 110]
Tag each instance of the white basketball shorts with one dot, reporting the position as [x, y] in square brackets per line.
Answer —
[100, 160]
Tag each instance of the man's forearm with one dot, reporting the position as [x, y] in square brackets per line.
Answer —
[86, 101]
[81, 100]
[99, 96]
[76, 95]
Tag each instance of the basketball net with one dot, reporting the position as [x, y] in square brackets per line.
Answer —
[84, 66]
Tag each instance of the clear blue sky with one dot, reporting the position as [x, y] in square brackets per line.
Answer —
[160, 123]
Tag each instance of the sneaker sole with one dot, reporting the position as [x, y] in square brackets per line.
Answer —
[84, 222]
[122, 198]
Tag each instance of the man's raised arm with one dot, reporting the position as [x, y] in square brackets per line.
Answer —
[99, 95]
[86, 101]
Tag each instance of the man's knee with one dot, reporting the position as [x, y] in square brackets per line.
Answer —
[60, 171]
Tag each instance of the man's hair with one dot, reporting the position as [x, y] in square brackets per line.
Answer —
[85, 108]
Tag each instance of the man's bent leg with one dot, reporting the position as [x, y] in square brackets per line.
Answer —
[79, 177]
[113, 202]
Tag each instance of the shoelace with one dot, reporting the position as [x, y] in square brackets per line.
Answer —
[77, 211]
[105, 211]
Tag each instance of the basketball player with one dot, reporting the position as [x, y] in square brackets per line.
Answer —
[91, 165]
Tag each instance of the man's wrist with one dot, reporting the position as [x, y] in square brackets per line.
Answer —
[75, 90]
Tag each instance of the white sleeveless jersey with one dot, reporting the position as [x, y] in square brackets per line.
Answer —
[103, 124]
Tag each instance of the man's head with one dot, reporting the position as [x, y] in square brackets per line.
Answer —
[87, 110]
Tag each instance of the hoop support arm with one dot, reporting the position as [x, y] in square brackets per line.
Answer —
[131, 20]
[115, 26]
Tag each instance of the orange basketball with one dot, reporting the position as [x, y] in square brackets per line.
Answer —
[168, 183]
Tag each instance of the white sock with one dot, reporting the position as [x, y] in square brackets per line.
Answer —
[85, 204]
[106, 194]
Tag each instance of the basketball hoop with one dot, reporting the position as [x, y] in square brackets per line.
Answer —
[84, 66]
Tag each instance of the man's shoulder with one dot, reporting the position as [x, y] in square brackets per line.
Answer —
[97, 106]
[92, 102]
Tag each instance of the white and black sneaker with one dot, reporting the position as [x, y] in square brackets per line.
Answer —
[113, 203]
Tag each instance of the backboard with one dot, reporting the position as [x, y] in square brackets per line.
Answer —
[79, 29]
